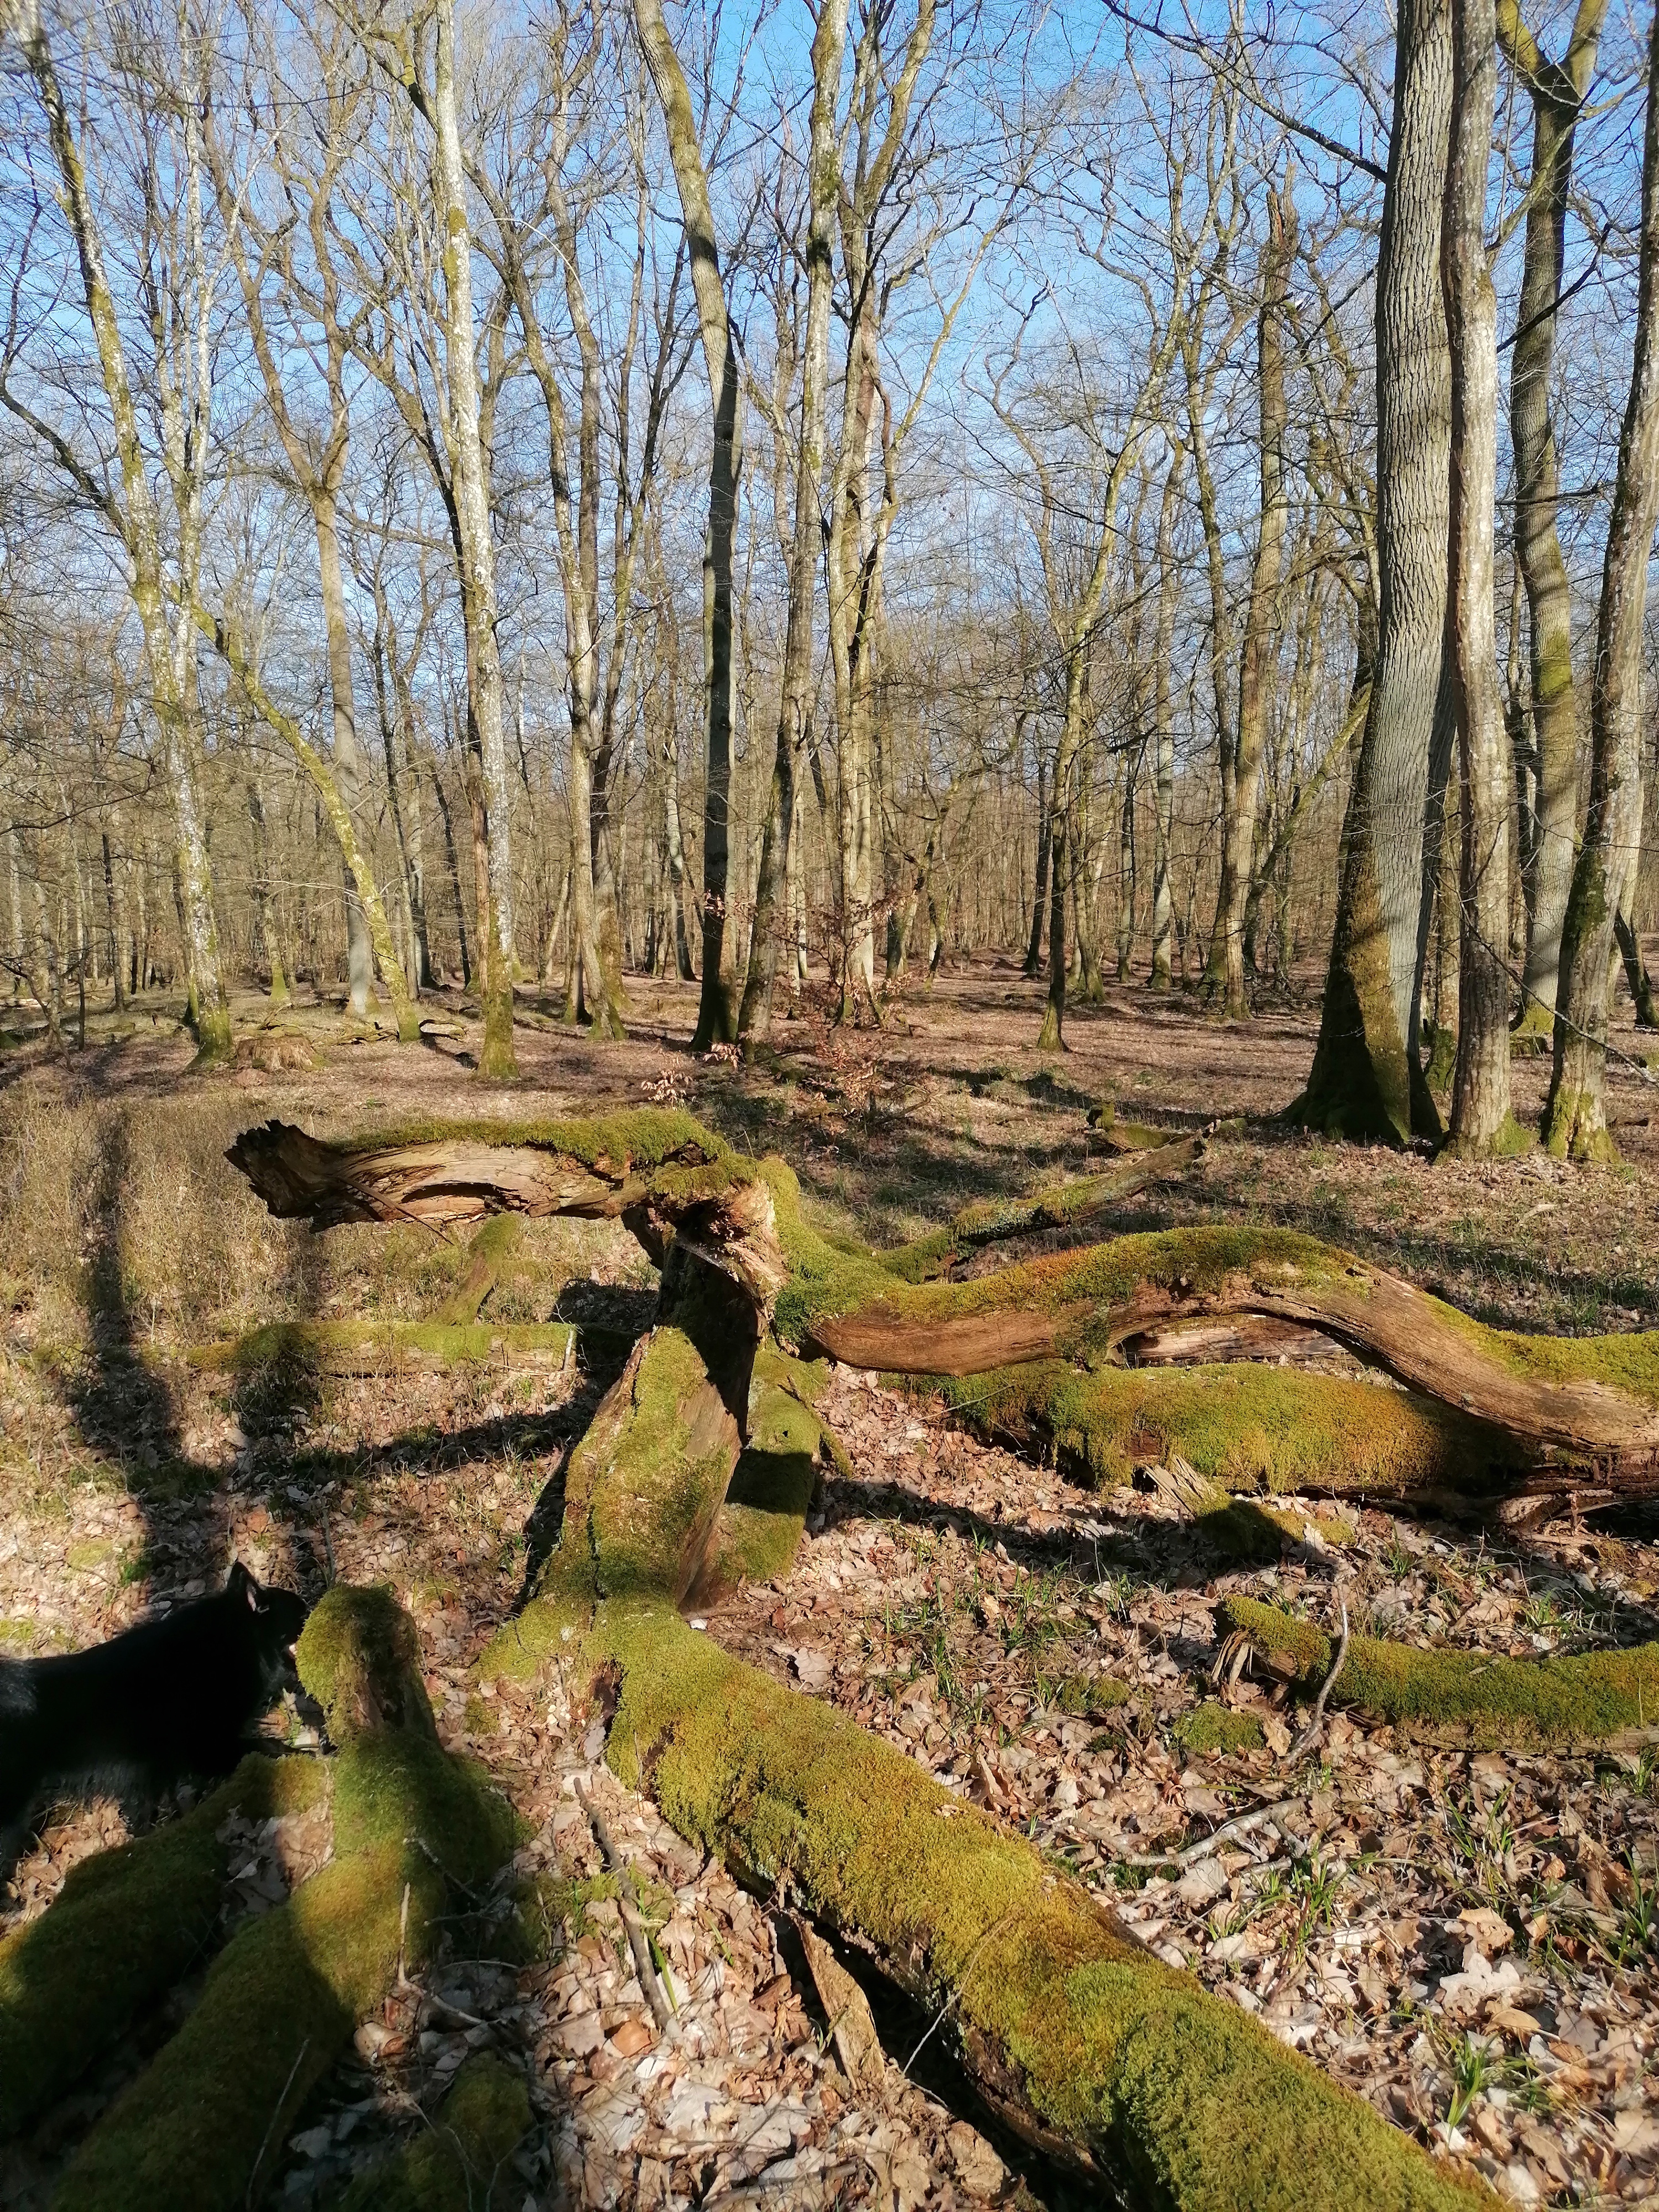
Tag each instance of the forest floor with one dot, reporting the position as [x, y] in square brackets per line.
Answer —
[1466, 1937]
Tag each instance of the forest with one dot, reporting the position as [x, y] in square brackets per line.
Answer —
[826, 957]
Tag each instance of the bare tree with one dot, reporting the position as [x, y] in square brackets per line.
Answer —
[1481, 1120]
[1242, 789]
[1549, 815]
[716, 1015]
[1366, 1078]
[1575, 1114]
[163, 572]
[795, 702]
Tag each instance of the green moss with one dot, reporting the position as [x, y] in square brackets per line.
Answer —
[486, 1255]
[412, 1827]
[1093, 1695]
[1468, 1695]
[647, 1481]
[127, 1924]
[460, 2163]
[1628, 1361]
[927, 1257]
[638, 1138]
[1246, 1426]
[758, 1529]
[1212, 1728]
[352, 1347]
[359, 1655]
[1183, 2100]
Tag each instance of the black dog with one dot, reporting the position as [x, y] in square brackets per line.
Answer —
[175, 1697]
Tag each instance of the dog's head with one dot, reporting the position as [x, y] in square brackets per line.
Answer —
[276, 1616]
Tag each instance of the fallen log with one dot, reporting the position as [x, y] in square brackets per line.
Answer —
[1462, 1697]
[1071, 1205]
[385, 1347]
[126, 1925]
[1488, 1405]
[414, 1831]
[1093, 2048]
[1095, 2051]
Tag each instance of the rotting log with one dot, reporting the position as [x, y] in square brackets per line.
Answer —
[1483, 1408]
[415, 1830]
[1463, 1697]
[125, 1926]
[380, 1347]
[1109, 2060]
[1101, 2054]
[1095, 2051]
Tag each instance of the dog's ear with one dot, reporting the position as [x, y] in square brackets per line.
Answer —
[240, 1583]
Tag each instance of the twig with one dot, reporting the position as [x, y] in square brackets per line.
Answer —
[1309, 1735]
[276, 2113]
[639, 1942]
[1240, 1825]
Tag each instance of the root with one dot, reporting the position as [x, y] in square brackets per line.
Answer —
[126, 1925]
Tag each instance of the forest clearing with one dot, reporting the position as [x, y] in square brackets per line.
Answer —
[828, 1162]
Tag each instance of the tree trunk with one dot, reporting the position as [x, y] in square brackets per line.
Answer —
[1040, 891]
[1636, 974]
[1557, 93]
[716, 1022]
[496, 1061]
[1575, 1114]
[1169, 592]
[1481, 1121]
[1366, 1080]
[794, 705]
[1242, 791]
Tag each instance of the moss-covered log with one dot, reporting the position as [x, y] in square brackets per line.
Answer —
[1539, 1401]
[1087, 2043]
[1593, 1696]
[126, 1925]
[414, 1831]
[993, 1221]
[1251, 1428]
[381, 1347]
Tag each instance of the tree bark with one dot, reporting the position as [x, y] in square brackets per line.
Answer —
[794, 706]
[1575, 1114]
[1366, 1080]
[1557, 91]
[1169, 592]
[1481, 1121]
[716, 1015]
[1243, 789]
[496, 1060]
